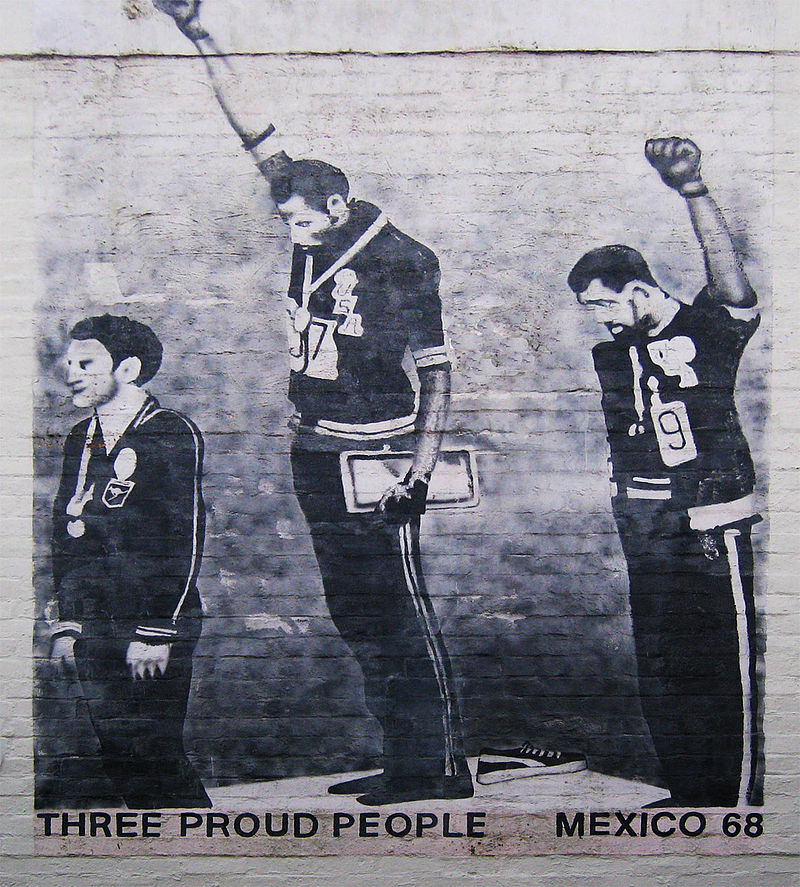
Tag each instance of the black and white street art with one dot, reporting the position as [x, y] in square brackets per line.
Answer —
[128, 532]
[322, 658]
[683, 484]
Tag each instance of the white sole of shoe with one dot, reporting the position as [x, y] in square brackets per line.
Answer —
[526, 771]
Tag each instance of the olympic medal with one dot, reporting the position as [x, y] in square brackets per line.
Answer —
[302, 318]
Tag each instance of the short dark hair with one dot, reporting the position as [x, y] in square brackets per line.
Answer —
[614, 266]
[123, 337]
[313, 180]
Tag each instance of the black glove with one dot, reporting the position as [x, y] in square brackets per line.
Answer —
[406, 499]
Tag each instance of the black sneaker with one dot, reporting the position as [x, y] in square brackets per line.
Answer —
[425, 788]
[358, 786]
[662, 802]
[500, 765]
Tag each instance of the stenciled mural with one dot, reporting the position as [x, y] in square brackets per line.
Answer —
[332, 532]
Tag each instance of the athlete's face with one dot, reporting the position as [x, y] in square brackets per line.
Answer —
[90, 373]
[612, 308]
[307, 226]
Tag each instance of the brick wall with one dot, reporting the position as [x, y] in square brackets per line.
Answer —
[509, 166]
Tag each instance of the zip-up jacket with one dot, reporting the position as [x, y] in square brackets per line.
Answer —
[128, 527]
[356, 304]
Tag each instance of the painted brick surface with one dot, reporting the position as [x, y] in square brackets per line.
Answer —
[509, 166]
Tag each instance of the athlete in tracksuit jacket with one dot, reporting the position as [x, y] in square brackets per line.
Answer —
[683, 482]
[350, 325]
[128, 531]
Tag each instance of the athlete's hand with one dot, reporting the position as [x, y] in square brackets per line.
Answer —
[62, 653]
[677, 161]
[185, 13]
[147, 660]
[406, 498]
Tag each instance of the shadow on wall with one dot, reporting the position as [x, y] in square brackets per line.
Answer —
[530, 587]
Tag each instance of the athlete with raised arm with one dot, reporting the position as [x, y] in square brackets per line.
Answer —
[682, 483]
[361, 295]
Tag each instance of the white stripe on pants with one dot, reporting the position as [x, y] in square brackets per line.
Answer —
[428, 620]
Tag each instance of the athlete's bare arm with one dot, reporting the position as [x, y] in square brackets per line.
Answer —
[677, 161]
[257, 136]
[434, 403]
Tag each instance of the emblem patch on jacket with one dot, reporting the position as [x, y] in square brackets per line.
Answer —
[345, 303]
[119, 488]
[674, 356]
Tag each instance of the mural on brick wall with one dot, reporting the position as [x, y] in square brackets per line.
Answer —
[682, 481]
[537, 650]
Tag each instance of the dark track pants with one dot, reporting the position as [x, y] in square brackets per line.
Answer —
[694, 626]
[376, 594]
[139, 724]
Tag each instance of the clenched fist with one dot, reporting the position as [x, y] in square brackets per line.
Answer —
[406, 498]
[147, 660]
[185, 13]
[677, 161]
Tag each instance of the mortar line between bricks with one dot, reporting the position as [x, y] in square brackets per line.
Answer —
[445, 53]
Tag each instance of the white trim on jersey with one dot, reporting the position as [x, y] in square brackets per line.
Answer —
[433, 356]
[745, 655]
[154, 633]
[636, 493]
[746, 314]
[428, 619]
[651, 480]
[65, 627]
[707, 517]
[195, 521]
[147, 412]
[366, 430]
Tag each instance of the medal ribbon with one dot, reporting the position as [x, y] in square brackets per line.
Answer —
[638, 397]
[310, 287]
[78, 501]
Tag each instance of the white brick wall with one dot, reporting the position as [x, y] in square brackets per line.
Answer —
[508, 165]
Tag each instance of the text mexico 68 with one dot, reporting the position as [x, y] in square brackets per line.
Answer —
[663, 824]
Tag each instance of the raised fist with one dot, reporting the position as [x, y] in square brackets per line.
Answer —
[677, 161]
[185, 13]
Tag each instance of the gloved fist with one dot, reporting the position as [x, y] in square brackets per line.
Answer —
[185, 13]
[147, 660]
[677, 161]
[404, 499]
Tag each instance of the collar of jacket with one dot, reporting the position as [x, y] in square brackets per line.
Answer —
[144, 412]
[339, 240]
